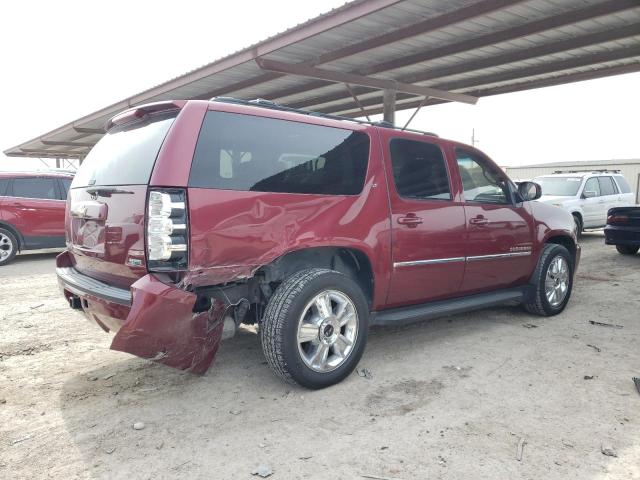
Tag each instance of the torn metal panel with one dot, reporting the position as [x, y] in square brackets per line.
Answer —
[162, 326]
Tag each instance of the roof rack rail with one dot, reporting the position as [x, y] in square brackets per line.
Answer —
[261, 102]
[602, 170]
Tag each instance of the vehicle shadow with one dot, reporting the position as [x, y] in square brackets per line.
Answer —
[240, 399]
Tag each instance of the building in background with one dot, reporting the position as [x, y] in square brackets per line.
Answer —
[629, 168]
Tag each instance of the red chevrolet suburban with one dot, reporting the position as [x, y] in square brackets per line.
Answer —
[189, 218]
[32, 206]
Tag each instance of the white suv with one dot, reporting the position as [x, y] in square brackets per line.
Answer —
[588, 196]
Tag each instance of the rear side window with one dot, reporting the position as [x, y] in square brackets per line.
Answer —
[126, 154]
[622, 183]
[607, 186]
[249, 153]
[44, 188]
[4, 183]
[419, 170]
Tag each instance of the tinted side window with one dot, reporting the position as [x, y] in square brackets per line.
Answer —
[606, 186]
[481, 181]
[4, 183]
[65, 183]
[34, 188]
[592, 185]
[419, 170]
[623, 184]
[244, 152]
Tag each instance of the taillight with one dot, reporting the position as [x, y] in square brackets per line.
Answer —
[167, 229]
[617, 219]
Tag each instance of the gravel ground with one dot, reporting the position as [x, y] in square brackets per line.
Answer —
[451, 398]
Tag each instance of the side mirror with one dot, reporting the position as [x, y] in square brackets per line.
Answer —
[529, 191]
[589, 194]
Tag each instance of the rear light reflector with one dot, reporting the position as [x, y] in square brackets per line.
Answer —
[617, 219]
[167, 232]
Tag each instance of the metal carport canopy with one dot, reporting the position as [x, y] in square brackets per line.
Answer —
[358, 58]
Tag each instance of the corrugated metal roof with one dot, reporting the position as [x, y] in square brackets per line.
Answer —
[477, 47]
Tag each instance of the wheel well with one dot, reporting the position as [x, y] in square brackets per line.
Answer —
[15, 232]
[349, 261]
[577, 214]
[566, 242]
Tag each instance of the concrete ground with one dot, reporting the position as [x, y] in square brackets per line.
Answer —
[452, 398]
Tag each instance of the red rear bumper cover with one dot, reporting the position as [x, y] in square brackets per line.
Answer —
[157, 322]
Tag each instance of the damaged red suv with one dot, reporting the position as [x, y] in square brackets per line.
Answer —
[189, 218]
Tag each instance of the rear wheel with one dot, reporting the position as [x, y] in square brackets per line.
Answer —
[552, 281]
[314, 329]
[627, 249]
[8, 246]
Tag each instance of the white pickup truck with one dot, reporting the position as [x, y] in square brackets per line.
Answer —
[588, 196]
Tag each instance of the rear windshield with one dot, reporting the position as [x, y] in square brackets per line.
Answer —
[249, 153]
[559, 186]
[125, 155]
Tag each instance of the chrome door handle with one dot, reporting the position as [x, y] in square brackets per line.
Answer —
[410, 220]
[478, 221]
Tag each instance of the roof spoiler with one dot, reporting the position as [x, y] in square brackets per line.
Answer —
[142, 111]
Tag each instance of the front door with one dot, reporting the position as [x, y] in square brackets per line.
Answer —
[428, 225]
[592, 203]
[499, 232]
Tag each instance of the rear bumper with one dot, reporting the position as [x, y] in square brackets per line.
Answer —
[622, 235]
[152, 320]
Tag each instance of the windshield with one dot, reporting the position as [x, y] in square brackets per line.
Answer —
[125, 155]
[559, 186]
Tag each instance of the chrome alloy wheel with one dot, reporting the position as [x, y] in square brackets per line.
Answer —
[6, 247]
[327, 331]
[556, 284]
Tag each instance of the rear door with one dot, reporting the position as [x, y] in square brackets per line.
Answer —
[499, 232]
[35, 208]
[428, 223]
[592, 203]
[609, 195]
[627, 197]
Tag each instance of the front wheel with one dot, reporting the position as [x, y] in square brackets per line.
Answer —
[315, 327]
[552, 281]
[627, 249]
[8, 246]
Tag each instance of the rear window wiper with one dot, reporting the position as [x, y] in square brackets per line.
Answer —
[107, 191]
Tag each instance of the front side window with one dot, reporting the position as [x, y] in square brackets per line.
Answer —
[606, 186]
[482, 182]
[419, 170]
[250, 153]
[4, 184]
[44, 188]
[593, 187]
[66, 183]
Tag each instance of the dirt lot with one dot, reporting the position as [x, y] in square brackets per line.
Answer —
[451, 398]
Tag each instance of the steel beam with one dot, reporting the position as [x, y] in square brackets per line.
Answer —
[389, 105]
[514, 74]
[537, 26]
[377, 109]
[379, 83]
[67, 144]
[494, 61]
[480, 8]
[98, 131]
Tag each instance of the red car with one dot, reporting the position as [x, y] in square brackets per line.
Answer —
[32, 207]
[191, 217]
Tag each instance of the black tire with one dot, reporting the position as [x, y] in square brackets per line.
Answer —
[279, 327]
[627, 249]
[578, 224]
[8, 242]
[538, 303]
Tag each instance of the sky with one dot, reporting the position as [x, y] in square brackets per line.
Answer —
[64, 59]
